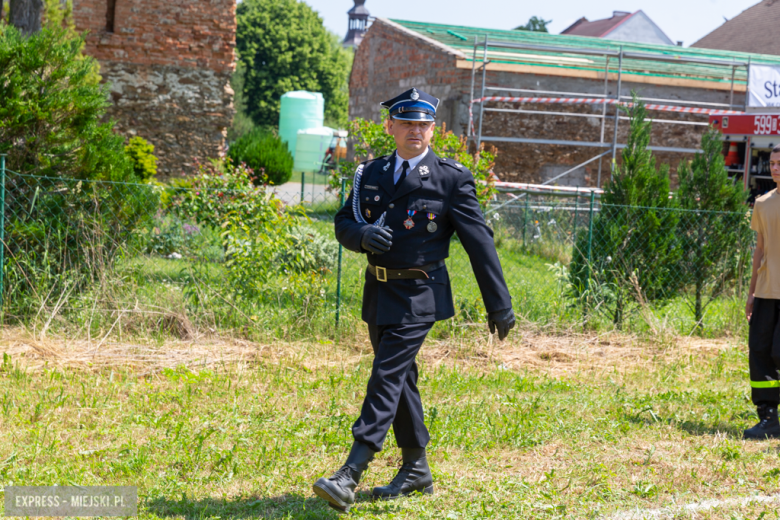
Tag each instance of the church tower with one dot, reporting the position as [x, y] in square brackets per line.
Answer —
[358, 24]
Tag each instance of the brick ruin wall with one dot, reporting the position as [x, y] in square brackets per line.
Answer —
[389, 61]
[168, 64]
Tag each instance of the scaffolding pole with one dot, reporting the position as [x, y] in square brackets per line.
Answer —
[603, 117]
[617, 112]
[482, 105]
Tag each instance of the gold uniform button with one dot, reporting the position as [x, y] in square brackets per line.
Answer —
[391, 206]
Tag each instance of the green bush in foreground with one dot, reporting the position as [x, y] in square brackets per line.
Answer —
[264, 152]
[62, 229]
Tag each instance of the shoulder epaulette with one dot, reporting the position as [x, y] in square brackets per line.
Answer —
[451, 163]
[368, 162]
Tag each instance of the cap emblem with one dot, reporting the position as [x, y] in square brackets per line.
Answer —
[415, 96]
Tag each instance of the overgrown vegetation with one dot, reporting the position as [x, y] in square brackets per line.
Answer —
[51, 110]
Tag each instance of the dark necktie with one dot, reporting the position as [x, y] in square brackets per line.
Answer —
[405, 168]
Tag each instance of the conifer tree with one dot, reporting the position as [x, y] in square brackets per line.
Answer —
[633, 246]
[715, 232]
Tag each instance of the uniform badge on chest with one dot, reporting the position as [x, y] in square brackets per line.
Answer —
[431, 227]
[409, 223]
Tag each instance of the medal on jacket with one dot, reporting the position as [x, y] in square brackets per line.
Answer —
[409, 223]
[432, 227]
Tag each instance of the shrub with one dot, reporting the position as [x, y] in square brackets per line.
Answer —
[263, 150]
[141, 152]
[221, 191]
[309, 250]
[634, 244]
[264, 243]
[62, 228]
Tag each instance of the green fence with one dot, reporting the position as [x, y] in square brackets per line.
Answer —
[94, 257]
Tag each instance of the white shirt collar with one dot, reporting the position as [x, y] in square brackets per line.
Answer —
[413, 162]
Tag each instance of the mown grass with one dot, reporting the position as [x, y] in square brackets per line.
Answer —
[540, 427]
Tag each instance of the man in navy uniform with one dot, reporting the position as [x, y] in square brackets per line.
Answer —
[402, 212]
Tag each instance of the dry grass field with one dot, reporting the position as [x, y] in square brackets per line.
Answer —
[543, 426]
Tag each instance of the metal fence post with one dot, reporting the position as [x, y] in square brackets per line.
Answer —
[576, 211]
[2, 229]
[525, 219]
[590, 237]
[341, 256]
[303, 184]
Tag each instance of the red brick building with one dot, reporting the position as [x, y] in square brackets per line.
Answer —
[168, 64]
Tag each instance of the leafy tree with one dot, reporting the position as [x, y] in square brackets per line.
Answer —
[535, 24]
[284, 47]
[633, 248]
[715, 232]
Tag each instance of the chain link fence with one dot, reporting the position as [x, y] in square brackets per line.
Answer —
[94, 257]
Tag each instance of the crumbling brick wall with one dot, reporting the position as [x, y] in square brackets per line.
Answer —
[392, 58]
[168, 64]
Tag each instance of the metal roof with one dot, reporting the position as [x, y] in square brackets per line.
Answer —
[561, 51]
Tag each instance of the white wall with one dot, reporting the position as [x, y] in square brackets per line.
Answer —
[639, 28]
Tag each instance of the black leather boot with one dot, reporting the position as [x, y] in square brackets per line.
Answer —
[768, 426]
[339, 490]
[413, 477]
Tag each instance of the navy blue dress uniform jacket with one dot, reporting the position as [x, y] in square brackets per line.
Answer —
[436, 185]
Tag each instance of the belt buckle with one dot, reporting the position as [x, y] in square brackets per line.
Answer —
[381, 274]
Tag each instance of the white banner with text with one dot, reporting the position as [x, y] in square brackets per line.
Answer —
[764, 85]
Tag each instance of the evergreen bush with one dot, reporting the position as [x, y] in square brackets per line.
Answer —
[715, 231]
[633, 251]
[263, 151]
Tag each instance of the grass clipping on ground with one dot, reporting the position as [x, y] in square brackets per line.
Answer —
[567, 426]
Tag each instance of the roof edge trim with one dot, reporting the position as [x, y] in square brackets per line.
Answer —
[430, 41]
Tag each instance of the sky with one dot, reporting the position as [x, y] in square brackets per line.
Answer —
[681, 20]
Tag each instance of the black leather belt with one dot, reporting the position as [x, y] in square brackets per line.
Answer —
[383, 274]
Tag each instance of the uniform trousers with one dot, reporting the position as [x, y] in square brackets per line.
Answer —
[764, 351]
[392, 397]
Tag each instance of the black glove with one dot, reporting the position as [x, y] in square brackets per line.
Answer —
[501, 320]
[377, 240]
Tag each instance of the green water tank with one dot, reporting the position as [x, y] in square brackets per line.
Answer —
[300, 110]
[311, 147]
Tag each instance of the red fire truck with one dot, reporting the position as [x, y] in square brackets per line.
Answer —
[748, 140]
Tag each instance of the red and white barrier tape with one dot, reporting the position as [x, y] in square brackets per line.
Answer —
[593, 101]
